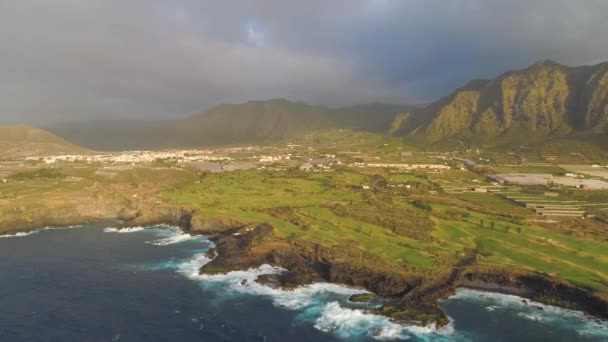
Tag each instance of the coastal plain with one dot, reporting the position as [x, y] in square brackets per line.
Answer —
[348, 207]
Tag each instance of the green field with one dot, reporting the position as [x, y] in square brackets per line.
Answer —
[408, 178]
[494, 202]
[309, 199]
[412, 230]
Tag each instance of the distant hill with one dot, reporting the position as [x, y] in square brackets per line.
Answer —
[263, 121]
[250, 122]
[545, 100]
[24, 141]
[116, 135]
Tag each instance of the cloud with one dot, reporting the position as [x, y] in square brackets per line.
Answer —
[73, 59]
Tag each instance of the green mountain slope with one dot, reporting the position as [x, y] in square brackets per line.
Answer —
[263, 121]
[250, 122]
[542, 101]
[23, 141]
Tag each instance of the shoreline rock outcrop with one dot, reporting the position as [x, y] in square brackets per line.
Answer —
[409, 297]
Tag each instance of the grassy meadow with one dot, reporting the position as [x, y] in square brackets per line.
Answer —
[308, 203]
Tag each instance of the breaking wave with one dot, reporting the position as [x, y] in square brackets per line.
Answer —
[324, 305]
[36, 231]
[123, 230]
[170, 234]
[19, 234]
[177, 238]
[549, 315]
[350, 323]
[190, 268]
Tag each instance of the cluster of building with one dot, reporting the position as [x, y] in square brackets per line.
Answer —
[323, 164]
[404, 167]
[135, 157]
[549, 179]
[274, 159]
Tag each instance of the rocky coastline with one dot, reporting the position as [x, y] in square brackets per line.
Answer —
[413, 299]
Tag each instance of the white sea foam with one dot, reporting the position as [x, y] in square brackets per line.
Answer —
[191, 267]
[531, 317]
[327, 307]
[320, 301]
[300, 297]
[177, 238]
[349, 323]
[60, 228]
[38, 230]
[19, 234]
[123, 230]
[538, 312]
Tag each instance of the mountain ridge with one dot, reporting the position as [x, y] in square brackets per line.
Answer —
[542, 101]
[250, 122]
[546, 98]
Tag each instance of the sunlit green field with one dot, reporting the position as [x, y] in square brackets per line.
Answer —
[496, 239]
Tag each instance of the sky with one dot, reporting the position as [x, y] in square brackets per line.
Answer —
[65, 60]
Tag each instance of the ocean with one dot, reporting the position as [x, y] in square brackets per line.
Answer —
[98, 283]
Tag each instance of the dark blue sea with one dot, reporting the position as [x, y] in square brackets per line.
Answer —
[97, 283]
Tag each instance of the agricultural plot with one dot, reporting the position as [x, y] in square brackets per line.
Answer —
[494, 202]
[457, 178]
[299, 206]
[548, 206]
[408, 178]
[524, 246]
[332, 210]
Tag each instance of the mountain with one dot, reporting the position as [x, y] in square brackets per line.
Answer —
[263, 121]
[546, 100]
[542, 101]
[116, 135]
[24, 141]
[250, 122]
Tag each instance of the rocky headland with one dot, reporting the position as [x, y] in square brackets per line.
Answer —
[407, 297]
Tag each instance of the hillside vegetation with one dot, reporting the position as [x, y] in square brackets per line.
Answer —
[229, 124]
[530, 106]
[527, 106]
[23, 141]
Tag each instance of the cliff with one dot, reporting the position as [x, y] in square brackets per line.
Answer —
[542, 101]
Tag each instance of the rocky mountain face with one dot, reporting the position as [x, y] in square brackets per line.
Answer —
[545, 99]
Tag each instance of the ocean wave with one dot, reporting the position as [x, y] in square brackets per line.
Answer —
[123, 230]
[293, 299]
[19, 234]
[582, 323]
[325, 305]
[177, 238]
[350, 323]
[532, 317]
[38, 230]
[190, 268]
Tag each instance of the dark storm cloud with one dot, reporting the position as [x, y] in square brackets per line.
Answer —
[74, 59]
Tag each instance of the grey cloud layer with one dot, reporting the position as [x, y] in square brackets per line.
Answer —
[74, 59]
